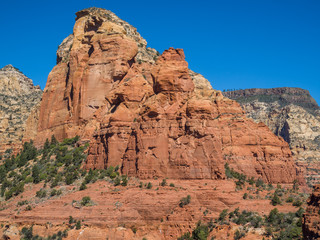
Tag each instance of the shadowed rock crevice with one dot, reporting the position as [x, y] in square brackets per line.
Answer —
[284, 133]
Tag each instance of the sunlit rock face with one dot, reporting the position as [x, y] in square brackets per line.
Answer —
[150, 114]
[292, 114]
[311, 218]
[18, 97]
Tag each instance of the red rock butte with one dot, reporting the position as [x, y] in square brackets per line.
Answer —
[150, 114]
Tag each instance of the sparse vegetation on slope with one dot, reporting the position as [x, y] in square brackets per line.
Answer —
[56, 164]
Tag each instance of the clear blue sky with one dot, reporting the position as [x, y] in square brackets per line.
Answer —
[233, 43]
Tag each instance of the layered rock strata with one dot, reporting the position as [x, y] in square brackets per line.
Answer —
[150, 114]
[290, 113]
[18, 96]
[311, 219]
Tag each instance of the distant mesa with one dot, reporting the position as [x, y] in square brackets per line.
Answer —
[284, 96]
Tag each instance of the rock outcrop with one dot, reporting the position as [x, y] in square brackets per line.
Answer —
[311, 219]
[284, 96]
[290, 113]
[18, 96]
[150, 114]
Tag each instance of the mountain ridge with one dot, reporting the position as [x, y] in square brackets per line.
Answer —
[18, 96]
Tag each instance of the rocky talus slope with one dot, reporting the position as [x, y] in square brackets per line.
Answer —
[292, 114]
[150, 114]
[18, 96]
[311, 219]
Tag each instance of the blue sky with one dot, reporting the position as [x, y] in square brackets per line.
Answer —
[233, 43]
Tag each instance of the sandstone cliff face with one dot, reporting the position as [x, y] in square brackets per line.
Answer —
[18, 96]
[311, 219]
[290, 113]
[150, 114]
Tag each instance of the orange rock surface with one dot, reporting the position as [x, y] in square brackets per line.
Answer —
[311, 218]
[154, 213]
[150, 117]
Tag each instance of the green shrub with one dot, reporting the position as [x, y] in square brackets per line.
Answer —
[113, 175]
[201, 232]
[70, 141]
[134, 230]
[124, 180]
[83, 186]
[185, 201]
[92, 176]
[54, 141]
[239, 234]
[36, 174]
[300, 212]
[260, 183]
[85, 201]
[297, 203]
[42, 193]
[223, 215]
[71, 220]
[28, 153]
[109, 171]
[295, 185]
[3, 173]
[8, 194]
[28, 179]
[71, 177]
[275, 199]
[270, 187]
[28, 208]
[53, 192]
[117, 181]
[149, 186]
[230, 173]
[78, 225]
[289, 199]
[21, 203]
[27, 233]
[164, 182]
[251, 181]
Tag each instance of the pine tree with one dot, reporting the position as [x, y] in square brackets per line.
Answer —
[53, 140]
[36, 174]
